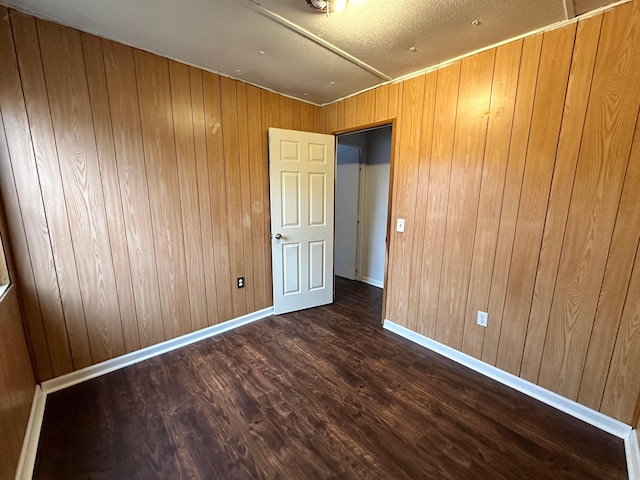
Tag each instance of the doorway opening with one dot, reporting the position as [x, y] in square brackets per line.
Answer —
[363, 160]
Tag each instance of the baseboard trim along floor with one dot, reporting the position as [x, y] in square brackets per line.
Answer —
[117, 363]
[586, 414]
[590, 416]
[32, 435]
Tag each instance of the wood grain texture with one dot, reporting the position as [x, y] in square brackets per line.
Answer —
[602, 164]
[74, 333]
[101, 115]
[419, 219]
[20, 164]
[496, 152]
[154, 98]
[331, 118]
[245, 191]
[351, 112]
[17, 382]
[403, 202]
[320, 393]
[297, 113]
[366, 107]
[270, 110]
[204, 199]
[134, 191]
[615, 285]
[436, 208]
[229, 107]
[382, 103]
[308, 117]
[340, 125]
[70, 106]
[217, 188]
[286, 112]
[622, 389]
[183, 128]
[474, 97]
[259, 168]
[22, 271]
[575, 109]
[553, 74]
[527, 81]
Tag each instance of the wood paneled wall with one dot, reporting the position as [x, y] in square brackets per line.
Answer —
[17, 383]
[517, 170]
[136, 190]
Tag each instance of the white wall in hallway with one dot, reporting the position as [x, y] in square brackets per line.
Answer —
[376, 197]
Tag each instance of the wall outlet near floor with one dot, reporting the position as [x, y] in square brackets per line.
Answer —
[240, 282]
[483, 318]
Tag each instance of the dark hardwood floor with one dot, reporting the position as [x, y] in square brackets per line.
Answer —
[322, 393]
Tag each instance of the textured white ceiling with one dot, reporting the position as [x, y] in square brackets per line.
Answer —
[226, 35]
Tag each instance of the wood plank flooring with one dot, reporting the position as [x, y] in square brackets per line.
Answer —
[322, 393]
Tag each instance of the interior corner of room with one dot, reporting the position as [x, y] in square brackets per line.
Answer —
[491, 193]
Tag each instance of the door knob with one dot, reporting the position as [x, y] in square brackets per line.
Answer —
[278, 236]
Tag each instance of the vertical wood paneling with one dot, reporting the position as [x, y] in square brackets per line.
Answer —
[501, 110]
[258, 166]
[217, 188]
[125, 117]
[584, 55]
[615, 291]
[245, 190]
[466, 173]
[366, 107]
[331, 118]
[527, 80]
[297, 112]
[16, 382]
[437, 201]
[483, 174]
[101, 114]
[156, 120]
[382, 103]
[606, 144]
[270, 111]
[341, 123]
[307, 117]
[16, 233]
[394, 100]
[188, 183]
[419, 219]
[25, 175]
[553, 75]
[403, 204]
[50, 179]
[234, 193]
[622, 390]
[202, 169]
[351, 112]
[66, 80]
[286, 112]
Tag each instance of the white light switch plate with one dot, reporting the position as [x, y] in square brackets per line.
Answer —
[400, 225]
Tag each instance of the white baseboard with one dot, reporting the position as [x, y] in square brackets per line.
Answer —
[31, 437]
[586, 414]
[117, 363]
[373, 281]
[633, 455]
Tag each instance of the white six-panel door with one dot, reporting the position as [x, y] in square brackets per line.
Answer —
[301, 172]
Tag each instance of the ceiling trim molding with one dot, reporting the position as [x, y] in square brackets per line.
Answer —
[319, 41]
[49, 18]
[437, 66]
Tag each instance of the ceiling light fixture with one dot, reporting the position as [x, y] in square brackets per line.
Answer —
[326, 6]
